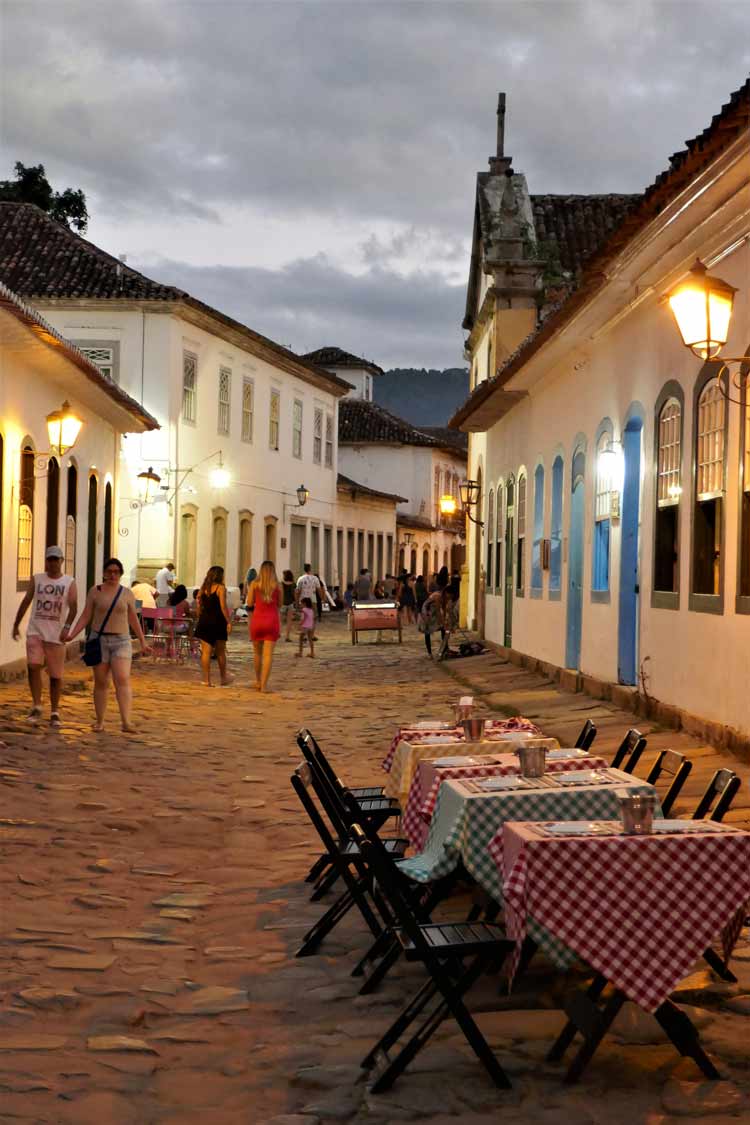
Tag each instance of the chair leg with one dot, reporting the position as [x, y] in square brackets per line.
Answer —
[385, 964]
[373, 953]
[683, 1033]
[714, 961]
[324, 925]
[416, 1005]
[317, 869]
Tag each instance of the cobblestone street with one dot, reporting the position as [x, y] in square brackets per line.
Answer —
[151, 900]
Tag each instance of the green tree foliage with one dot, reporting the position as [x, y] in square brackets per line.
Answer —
[32, 186]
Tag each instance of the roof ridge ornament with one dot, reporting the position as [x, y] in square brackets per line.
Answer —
[500, 163]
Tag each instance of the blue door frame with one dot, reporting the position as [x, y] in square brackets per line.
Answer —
[627, 642]
[575, 564]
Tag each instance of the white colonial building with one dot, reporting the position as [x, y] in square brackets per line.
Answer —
[246, 425]
[614, 471]
[47, 497]
[419, 465]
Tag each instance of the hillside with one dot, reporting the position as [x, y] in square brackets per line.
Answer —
[424, 398]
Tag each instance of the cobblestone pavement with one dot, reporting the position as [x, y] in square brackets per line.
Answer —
[151, 902]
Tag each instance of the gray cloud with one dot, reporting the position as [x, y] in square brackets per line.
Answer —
[382, 315]
[367, 115]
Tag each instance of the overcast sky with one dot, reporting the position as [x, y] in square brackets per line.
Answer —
[309, 167]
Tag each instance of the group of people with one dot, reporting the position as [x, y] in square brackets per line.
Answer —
[430, 601]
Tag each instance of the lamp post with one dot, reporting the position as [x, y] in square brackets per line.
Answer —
[702, 308]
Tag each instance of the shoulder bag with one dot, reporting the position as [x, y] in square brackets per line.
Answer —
[92, 650]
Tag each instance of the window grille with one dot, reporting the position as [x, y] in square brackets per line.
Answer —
[273, 425]
[297, 429]
[670, 454]
[536, 548]
[521, 534]
[225, 390]
[247, 409]
[490, 531]
[189, 387]
[103, 358]
[70, 545]
[329, 441]
[710, 452]
[318, 436]
[25, 536]
[555, 564]
[498, 540]
[603, 501]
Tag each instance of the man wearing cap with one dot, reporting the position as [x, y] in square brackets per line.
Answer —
[54, 602]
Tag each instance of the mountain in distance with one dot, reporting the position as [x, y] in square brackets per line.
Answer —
[422, 397]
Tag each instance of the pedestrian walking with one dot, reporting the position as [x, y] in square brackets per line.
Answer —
[214, 624]
[420, 592]
[434, 617]
[110, 612]
[164, 582]
[407, 600]
[288, 588]
[264, 598]
[307, 626]
[308, 584]
[53, 598]
[363, 586]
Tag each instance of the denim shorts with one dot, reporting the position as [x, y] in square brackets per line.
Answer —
[116, 646]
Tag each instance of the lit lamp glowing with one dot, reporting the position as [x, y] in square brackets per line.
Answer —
[63, 428]
[702, 308]
[220, 477]
[302, 495]
[145, 479]
[448, 506]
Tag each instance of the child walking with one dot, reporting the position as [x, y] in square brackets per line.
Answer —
[306, 626]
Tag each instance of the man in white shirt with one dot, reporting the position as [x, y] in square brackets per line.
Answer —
[54, 601]
[144, 593]
[308, 585]
[164, 583]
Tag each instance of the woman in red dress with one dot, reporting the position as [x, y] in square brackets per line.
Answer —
[263, 598]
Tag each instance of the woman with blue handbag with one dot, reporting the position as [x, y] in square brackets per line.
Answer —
[111, 613]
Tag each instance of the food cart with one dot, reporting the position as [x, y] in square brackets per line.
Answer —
[368, 616]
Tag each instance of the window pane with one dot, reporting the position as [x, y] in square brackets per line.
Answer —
[247, 410]
[103, 358]
[273, 430]
[189, 387]
[536, 555]
[225, 383]
[670, 454]
[318, 436]
[555, 560]
[297, 429]
[329, 441]
[25, 536]
[710, 445]
[602, 502]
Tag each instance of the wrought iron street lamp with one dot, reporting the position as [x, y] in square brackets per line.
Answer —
[470, 493]
[702, 308]
[303, 494]
[145, 480]
[63, 428]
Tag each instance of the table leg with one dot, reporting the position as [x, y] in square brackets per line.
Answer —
[568, 1033]
[684, 1034]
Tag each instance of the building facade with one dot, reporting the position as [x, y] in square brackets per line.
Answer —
[47, 498]
[247, 427]
[615, 472]
[414, 466]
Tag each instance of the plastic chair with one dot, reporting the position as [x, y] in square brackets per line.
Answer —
[675, 766]
[629, 751]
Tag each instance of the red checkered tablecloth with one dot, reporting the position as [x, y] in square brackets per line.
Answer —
[639, 909]
[422, 734]
[421, 805]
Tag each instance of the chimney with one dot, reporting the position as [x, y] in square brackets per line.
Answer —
[500, 163]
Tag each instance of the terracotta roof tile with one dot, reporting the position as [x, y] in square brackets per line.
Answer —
[337, 357]
[362, 422]
[572, 227]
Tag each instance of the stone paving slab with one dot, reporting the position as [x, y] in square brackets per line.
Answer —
[151, 903]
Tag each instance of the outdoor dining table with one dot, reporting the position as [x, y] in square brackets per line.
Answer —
[468, 816]
[409, 754]
[422, 732]
[432, 772]
[639, 909]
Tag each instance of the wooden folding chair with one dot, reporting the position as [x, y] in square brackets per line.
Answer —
[587, 735]
[306, 736]
[454, 956]
[724, 785]
[677, 767]
[629, 751]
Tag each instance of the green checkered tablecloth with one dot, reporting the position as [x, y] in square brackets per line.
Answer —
[464, 822]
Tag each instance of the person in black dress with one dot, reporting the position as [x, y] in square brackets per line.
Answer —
[214, 624]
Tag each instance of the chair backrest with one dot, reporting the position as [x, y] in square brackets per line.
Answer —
[724, 785]
[301, 783]
[674, 765]
[587, 735]
[305, 738]
[329, 795]
[629, 751]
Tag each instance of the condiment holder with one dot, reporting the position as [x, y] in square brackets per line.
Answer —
[464, 709]
[473, 729]
[637, 813]
[532, 758]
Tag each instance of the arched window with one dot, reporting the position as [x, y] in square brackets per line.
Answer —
[245, 544]
[425, 562]
[490, 533]
[25, 553]
[499, 540]
[555, 533]
[53, 502]
[602, 513]
[219, 537]
[188, 543]
[436, 562]
[91, 532]
[521, 534]
[536, 550]
[708, 518]
[269, 541]
[413, 561]
[668, 493]
[71, 517]
[107, 544]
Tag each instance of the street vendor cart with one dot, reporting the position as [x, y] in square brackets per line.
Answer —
[371, 615]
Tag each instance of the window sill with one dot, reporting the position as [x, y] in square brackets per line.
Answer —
[555, 595]
[600, 597]
[519, 593]
[536, 592]
[666, 599]
[706, 603]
